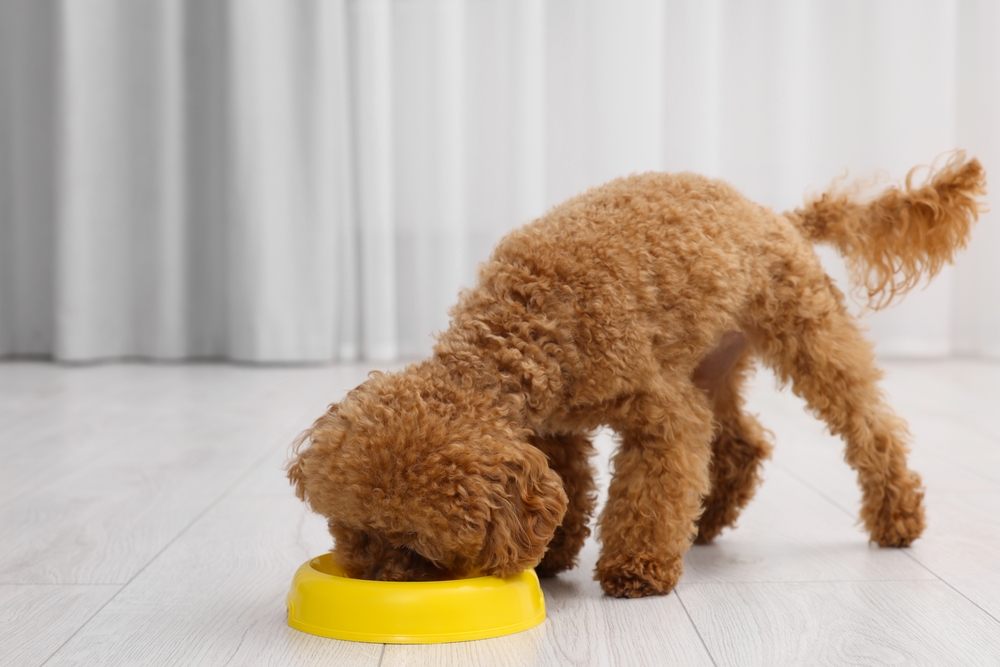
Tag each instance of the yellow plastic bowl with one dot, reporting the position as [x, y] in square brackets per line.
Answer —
[325, 602]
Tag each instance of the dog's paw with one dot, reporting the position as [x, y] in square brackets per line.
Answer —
[901, 523]
[561, 554]
[638, 576]
[900, 529]
[544, 572]
[711, 524]
[553, 564]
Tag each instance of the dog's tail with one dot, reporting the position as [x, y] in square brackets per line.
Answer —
[905, 233]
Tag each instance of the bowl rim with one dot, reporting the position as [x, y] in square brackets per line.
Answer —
[324, 578]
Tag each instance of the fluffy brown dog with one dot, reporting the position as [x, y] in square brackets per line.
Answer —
[639, 305]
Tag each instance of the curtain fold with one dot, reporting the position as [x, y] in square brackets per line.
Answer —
[120, 232]
[29, 59]
[288, 185]
[975, 311]
[315, 180]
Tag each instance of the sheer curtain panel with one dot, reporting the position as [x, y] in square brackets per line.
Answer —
[315, 180]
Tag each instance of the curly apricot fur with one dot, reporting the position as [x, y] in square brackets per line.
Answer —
[640, 305]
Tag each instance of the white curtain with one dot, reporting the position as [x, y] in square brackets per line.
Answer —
[311, 180]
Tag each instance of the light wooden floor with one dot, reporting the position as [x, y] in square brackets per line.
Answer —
[145, 520]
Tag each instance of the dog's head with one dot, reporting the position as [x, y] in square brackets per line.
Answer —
[417, 488]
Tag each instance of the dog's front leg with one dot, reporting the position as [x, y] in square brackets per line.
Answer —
[569, 455]
[660, 476]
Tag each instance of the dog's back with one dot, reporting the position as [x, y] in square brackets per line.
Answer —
[653, 269]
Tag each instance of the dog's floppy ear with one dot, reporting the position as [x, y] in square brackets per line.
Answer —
[525, 508]
[309, 446]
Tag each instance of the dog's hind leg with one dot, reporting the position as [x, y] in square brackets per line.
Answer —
[660, 476]
[569, 456]
[804, 332]
[739, 448]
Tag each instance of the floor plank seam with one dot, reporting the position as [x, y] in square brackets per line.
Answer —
[903, 551]
[50, 583]
[82, 625]
[103, 458]
[696, 629]
[835, 580]
[949, 585]
[49, 482]
[808, 581]
[259, 461]
[812, 488]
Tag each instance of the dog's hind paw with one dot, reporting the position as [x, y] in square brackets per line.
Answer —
[899, 525]
[901, 529]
